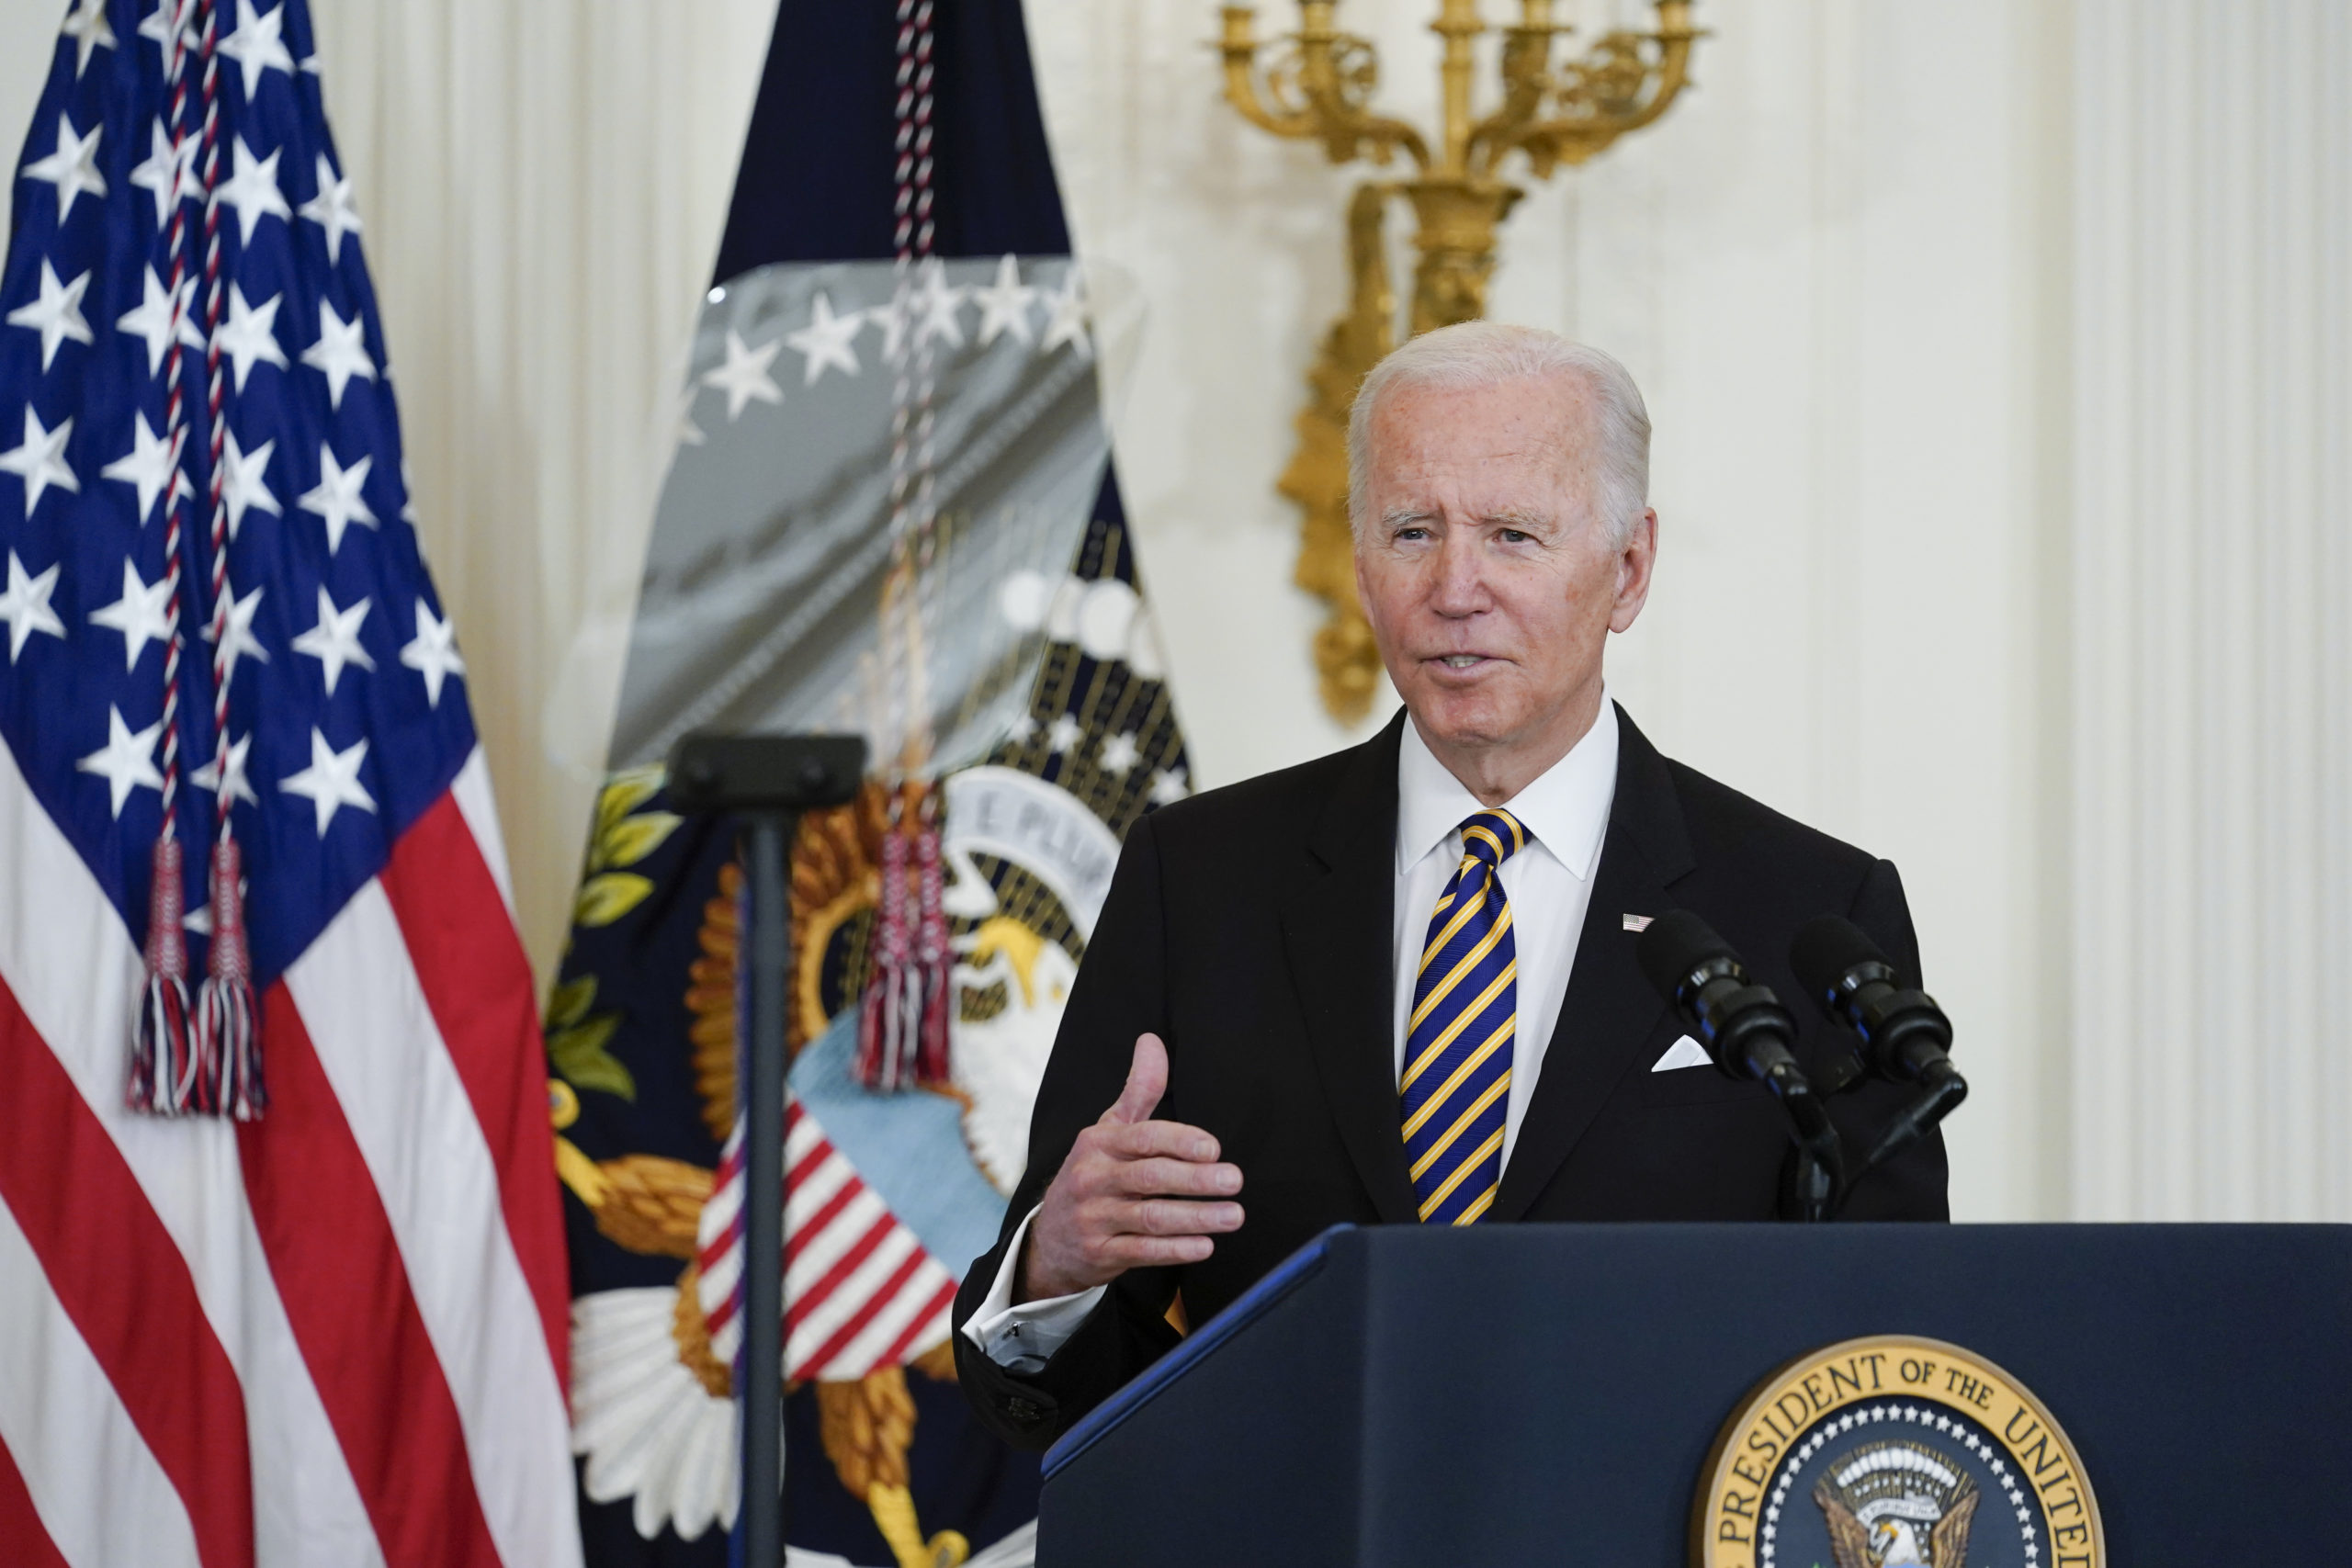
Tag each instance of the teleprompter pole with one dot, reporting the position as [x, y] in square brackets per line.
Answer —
[766, 782]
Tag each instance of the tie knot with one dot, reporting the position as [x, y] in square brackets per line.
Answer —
[1492, 837]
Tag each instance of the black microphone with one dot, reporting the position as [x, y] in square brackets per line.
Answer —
[1750, 1036]
[1743, 1025]
[1905, 1035]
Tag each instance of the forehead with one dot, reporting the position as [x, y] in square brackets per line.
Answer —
[1512, 437]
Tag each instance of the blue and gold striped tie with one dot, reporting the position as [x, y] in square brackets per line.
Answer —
[1456, 1086]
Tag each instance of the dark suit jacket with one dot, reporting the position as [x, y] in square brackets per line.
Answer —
[1250, 927]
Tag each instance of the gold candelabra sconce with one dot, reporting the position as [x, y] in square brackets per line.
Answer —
[1317, 85]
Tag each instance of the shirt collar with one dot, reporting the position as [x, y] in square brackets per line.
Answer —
[1565, 808]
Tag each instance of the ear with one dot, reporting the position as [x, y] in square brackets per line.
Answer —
[1635, 561]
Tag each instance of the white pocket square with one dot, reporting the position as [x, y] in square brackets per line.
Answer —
[1684, 1053]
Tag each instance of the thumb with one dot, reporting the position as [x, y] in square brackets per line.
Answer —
[1147, 1081]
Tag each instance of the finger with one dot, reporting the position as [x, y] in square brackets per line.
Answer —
[1155, 1251]
[1173, 1178]
[1176, 1216]
[1147, 1081]
[1163, 1216]
[1148, 1140]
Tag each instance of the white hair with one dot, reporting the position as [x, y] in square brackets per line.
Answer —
[1474, 354]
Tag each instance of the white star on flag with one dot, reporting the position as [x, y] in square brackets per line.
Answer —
[56, 314]
[164, 21]
[1066, 320]
[252, 191]
[330, 210]
[335, 641]
[153, 320]
[242, 639]
[332, 781]
[1004, 304]
[1064, 733]
[152, 466]
[169, 172]
[127, 762]
[938, 303]
[1022, 729]
[207, 777]
[250, 335]
[73, 168]
[826, 341]
[745, 376]
[256, 45]
[1119, 753]
[88, 30]
[41, 461]
[1169, 786]
[433, 653]
[244, 481]
[336, 499]
[339, 353]
[165, 173]
[893, 319]
[140, 615]
[26, 606]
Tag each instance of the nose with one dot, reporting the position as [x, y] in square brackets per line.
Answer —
[1461, 588]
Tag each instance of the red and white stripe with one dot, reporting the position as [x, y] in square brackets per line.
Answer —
[860, 1293]
[333, 1336]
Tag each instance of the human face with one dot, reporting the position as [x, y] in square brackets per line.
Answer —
[1490, 584]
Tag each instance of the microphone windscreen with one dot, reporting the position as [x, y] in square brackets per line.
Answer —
[1826, 948]
[1674, 945]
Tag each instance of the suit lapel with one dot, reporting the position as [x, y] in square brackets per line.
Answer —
[1337, 929]
[1611, 1018]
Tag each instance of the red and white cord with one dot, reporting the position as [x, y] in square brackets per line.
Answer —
[163, 1071]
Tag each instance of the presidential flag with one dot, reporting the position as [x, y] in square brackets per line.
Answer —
[281, 1270]
[891, 512]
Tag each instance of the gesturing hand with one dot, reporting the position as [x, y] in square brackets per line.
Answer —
[1130, 1193]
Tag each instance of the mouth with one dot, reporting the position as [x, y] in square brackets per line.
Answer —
[1461, 663]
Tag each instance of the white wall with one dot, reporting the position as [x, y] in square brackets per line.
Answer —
[1998, 358]
[2211, 667]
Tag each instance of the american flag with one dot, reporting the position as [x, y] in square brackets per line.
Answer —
[860, 1291]
[334, 1333]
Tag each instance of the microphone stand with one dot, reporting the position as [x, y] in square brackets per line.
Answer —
[1942, 1089]
[1815, 1181]
[766, 782]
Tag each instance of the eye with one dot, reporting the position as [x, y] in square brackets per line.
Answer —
[1412, 531]
[1515, 535]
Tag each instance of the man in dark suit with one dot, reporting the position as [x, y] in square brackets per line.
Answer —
[1398, 985]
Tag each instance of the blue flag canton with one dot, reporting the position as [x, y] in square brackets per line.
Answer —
[347, 714]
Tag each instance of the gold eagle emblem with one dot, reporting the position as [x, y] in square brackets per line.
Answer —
[1898, 1442]
[1898, 1491]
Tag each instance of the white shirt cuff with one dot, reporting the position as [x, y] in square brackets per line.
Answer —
[1023, 1338]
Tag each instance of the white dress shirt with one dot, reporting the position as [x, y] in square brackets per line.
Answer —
[1548, 884]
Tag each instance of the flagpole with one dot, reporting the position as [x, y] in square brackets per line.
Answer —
[766, 782]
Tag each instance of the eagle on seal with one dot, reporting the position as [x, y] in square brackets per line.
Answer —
[1892, 1541]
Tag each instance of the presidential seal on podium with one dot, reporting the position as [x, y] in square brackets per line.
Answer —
[1894, 1452]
